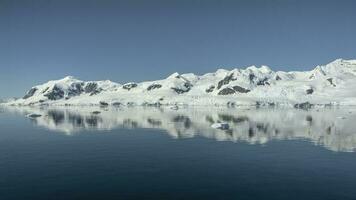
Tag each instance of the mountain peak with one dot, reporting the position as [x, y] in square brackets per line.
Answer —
[68, 78]
[334, 82]
[174, 75]
[340, 61]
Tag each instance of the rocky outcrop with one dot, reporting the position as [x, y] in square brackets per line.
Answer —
[75, 89]
[226, 80]
[92, 88]
[55, 94]
[210, 89]
[310, 91]
[30, 93]
[251, 77]
[233, 90]
[240, 89]
[45, 90]
[154, 86]
[186, 88]
[330, 80]
[263, 82]
[117, 104]
[226, 91]
[129, 86]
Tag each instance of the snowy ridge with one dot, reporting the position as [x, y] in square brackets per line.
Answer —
[331, 84]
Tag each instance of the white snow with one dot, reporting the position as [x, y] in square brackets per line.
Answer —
[331, 84]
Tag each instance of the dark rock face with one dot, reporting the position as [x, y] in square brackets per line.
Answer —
[187, 87]
[45, 90]
[240, 89]
[263, 82]
[309, 91]
[30, 93]
[95, 92]
[251, 77]
[92, 88]
[331, 81]
[278, 78]
[305, 105]
[226, 80]
[117, 104]
[180, 91]
[76, 89]
[154, 86]
[210, 89]
[233, 90]
[129, 86]
[55, 94]
[226, 91]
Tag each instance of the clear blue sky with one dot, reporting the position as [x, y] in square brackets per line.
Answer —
[145, 40]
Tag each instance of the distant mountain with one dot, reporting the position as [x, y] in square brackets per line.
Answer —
[331, 84]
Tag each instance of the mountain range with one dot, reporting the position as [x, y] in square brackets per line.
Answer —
[330, 84]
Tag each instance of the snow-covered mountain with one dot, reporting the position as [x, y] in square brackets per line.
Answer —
[331, 84]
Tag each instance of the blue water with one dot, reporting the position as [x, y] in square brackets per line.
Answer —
[145, 163]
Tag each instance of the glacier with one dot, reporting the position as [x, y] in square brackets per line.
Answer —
[332, 84]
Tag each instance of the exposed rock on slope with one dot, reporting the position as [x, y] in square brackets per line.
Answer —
[331, 84]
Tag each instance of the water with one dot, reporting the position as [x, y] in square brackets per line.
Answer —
[152, 153]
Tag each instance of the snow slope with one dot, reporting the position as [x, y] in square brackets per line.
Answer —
[331, 84]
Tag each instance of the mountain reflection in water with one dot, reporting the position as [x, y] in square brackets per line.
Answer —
[332, 128]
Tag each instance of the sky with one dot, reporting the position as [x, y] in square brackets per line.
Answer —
[136, 40]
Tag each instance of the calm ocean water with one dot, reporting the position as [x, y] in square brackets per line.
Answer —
[159, 153]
